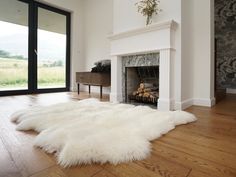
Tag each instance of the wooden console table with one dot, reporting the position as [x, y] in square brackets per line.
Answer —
[93, 79]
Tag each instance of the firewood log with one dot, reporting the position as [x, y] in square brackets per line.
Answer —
[140, 94]
[141, 85]
[140, 90]
[148, 85]
[146, 94]
[152, 97]
[147, 90]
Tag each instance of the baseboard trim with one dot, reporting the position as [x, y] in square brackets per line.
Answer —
[184, 104]
[73, 89]
[204, 102]
[195, 101]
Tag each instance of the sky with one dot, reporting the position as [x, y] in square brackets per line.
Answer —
[14, 39]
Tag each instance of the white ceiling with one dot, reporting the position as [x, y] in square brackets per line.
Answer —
[16, 12]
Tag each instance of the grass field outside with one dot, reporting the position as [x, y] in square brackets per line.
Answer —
[14, 75]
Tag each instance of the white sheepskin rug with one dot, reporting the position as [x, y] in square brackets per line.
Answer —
[90, 131]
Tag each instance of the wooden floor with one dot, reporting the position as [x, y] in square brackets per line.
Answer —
[206, 148]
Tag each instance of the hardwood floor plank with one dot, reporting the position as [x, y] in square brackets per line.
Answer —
[226, 106]
[50, 172]
[207, 134]
[195, 173]
[213, 155]
[27, 158]
[7, 165]
[104, 173]
[220, 144]
[161, 166]
[190, 161]
[82, 170]
[130, 170]
[210, 128]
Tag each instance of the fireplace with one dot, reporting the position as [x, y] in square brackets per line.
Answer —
[129, 54]
[140, 78]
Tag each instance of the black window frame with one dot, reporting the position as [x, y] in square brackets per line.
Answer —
[32, 46]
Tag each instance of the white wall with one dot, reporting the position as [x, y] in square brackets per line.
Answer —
[77, 46]
[203, 53]
[127, 17]
[187, 52]
[98, 18]
[197, 52]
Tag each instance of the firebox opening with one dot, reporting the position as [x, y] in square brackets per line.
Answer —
[142, 84]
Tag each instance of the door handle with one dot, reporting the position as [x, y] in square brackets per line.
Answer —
[35, 51]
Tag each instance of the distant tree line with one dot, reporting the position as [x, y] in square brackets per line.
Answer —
[54, 64]
[5, 54]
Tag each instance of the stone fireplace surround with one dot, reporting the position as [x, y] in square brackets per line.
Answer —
[155, 38]
[144, 60]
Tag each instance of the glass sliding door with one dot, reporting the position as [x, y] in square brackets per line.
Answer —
[51, 52]
[14, 32]
[34, 48]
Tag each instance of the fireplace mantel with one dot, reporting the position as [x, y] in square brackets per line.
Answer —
[159, 37]
[153, 27]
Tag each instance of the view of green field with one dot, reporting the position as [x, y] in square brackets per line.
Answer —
[51, 52]
[14, 74]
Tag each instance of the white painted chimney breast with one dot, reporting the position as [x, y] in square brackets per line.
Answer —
[159, 37]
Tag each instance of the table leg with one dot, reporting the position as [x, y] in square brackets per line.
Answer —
[101, 91]
[78, 88]
[89, 89]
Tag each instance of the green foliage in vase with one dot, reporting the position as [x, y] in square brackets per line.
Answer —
[148, 8]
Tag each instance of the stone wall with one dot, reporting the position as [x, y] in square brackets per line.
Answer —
[225, 31]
